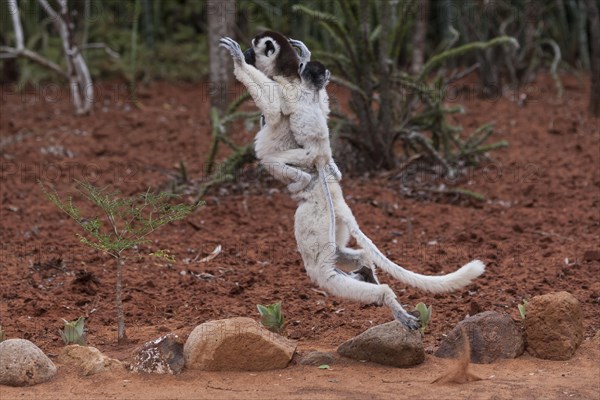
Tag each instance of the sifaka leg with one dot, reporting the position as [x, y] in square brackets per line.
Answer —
[343, 286]
[277, 165]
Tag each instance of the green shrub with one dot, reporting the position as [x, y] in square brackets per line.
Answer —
[122, 224]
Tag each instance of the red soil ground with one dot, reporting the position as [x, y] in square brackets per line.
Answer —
[537, 231]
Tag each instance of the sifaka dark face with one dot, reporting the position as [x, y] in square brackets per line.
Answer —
[315, 74]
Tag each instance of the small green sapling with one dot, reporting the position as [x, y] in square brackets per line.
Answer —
[123, 224]
[72, 332]
[272, 317]
[522, 308]
[424, 316]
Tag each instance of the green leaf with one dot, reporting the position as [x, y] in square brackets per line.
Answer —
[324, 366]
[459, 51]
[522, 309]
[262, 309]
[72, 332]
[424, 315]
[123, 222]
[272, 317]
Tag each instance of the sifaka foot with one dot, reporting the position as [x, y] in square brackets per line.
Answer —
[409, 321]
[300, 184]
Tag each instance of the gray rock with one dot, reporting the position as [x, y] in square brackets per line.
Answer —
[317, 358]
[554, 326]
[492, 336]
[387, 344]
[161, 356]
[88, 360]
[236, 344]
[22, 363]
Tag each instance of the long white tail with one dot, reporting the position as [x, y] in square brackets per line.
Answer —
[435, 284]
[329, 201]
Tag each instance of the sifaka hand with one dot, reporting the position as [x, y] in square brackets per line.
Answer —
[333, 170]
[234, 49]
[304, 52]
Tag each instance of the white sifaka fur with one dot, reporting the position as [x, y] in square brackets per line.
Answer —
[321, 250]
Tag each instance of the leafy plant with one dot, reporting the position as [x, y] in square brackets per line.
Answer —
[240, 156]
[548, 31]
[272, 317]
[522, 309]
[389, 105]
[72, 332]
[124, 224]
[424, 316]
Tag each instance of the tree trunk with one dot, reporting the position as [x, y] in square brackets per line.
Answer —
[121, 336]
[418, 53]
[80, 81]
[594, 18]
[221, 21]
[527, 56]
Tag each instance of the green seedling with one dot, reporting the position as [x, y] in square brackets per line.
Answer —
[522, 309]
[72, 332]
[272, 317]
[164, 254]
[424, 316]
[119, 225]
[324, 366]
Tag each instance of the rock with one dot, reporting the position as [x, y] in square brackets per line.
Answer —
[22, 363]
[87, 359]
[161, 356]
[492, 336]
[387, 344]
[554, 326]
[317, 358]
[236, 344]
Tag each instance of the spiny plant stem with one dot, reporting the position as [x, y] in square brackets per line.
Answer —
[121, 336]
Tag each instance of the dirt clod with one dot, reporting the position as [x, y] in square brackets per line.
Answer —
[88, 360]
[317, 358]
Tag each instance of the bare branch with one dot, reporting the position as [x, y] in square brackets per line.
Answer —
[104, 46]
[33, 56]
[416, 136]
[461, 74]
[49, 10]
[13, 9]
[80, 82]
